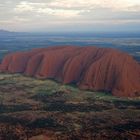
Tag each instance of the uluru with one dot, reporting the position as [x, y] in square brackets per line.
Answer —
[91, 68]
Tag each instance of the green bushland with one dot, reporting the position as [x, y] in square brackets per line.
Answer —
[47, 88]
[36, 105]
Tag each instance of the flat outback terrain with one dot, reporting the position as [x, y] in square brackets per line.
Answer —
[33, 109]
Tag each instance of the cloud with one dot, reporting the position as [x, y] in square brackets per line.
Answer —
[73, 8]
[91, 4]
[59, 12]
[43, 8]
[56, 13]
[134, 8]
[23, 7]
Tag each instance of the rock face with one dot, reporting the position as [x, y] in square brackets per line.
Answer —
[97, 69]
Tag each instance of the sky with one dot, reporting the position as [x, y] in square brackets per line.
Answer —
[70, 15]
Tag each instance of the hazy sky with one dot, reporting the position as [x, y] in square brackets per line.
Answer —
[70, 15]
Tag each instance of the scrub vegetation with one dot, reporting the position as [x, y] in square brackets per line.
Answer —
[39, 109]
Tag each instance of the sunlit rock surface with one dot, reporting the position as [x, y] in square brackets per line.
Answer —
[97, 69]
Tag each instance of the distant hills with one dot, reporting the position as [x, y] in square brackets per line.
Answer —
[75, 34]
[6, 32]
